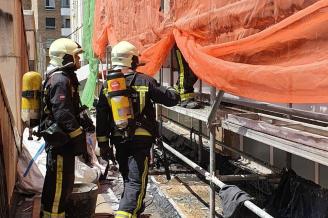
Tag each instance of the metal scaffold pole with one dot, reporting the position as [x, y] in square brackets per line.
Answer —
[214, 180]
[212, 158]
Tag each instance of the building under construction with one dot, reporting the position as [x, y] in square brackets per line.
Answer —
[257, 121]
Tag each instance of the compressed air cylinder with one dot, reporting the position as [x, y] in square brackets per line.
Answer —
[118, 99]
[30, 107]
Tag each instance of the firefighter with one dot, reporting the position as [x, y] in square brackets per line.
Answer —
[185, 82]
[132, 148]
[60, 125]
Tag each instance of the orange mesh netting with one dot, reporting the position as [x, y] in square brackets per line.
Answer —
[268, 50]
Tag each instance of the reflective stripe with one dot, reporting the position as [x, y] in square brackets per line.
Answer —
[140, 88]
[141, 131]
[102, 138]
[181, 75]
[59, 184]
[186, 96]
[120, 216]
[75, 133]
[53, 215]
[143, 183]
[142, 100]
[105, 91]
[123, 214]
[142, 95]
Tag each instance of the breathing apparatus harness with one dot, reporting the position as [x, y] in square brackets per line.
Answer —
[47, 128]
[127, 118]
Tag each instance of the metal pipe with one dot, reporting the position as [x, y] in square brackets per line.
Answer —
[159, 111]
[251, 206]
[192, 164]
[200, 140]
[255, 209]
[289, 155]
[215, 102]
[245, 177]
[212, 171]
[241, 153]
[106, 60]
[278, 109]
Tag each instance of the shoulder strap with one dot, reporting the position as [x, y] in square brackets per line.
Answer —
[133, 78]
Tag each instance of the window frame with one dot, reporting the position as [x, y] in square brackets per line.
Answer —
[51, 27]
[50, 7]
[64, 5]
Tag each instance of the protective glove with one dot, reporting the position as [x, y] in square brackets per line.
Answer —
[107, 152]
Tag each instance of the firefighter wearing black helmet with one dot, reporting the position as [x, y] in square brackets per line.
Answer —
[60, 125]
[133, 144]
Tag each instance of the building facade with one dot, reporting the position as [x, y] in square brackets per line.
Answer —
[52, 21]
[77, 20]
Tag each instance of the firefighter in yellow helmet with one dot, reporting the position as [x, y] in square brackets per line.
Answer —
[61, 125]
[132, 141]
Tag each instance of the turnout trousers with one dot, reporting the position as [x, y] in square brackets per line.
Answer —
[133, 160]
[58, 183]
[186, 79]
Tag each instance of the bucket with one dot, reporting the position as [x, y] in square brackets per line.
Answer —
[82, 201]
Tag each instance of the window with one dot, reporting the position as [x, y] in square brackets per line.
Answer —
[65, 3]
[50, 23]
[50, 4]
[66, 23]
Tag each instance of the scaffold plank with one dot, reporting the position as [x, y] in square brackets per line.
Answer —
[199, 114]
[285, 130]
[299, 149]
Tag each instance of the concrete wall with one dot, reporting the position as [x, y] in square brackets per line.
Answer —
[13, 63]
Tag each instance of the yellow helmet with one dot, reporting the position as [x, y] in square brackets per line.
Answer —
[122, 54]
[62, 51]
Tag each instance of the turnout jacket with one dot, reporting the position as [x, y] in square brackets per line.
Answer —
[62, 104]
[145, 91]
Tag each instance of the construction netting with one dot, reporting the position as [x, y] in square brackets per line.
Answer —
[88, 91]
[268, 50]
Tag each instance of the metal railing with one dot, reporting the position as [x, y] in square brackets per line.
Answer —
[210, 176]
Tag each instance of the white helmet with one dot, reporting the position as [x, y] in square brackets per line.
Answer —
[122, 54]
[62, 51]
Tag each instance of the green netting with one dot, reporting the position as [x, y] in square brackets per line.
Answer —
[89, 89]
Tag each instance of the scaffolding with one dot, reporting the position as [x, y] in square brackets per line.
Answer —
[287, 137]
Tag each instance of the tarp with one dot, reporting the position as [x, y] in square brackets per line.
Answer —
[274, 50]
[298, 197]
[31, 167]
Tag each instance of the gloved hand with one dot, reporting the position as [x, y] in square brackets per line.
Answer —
[107, 152]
